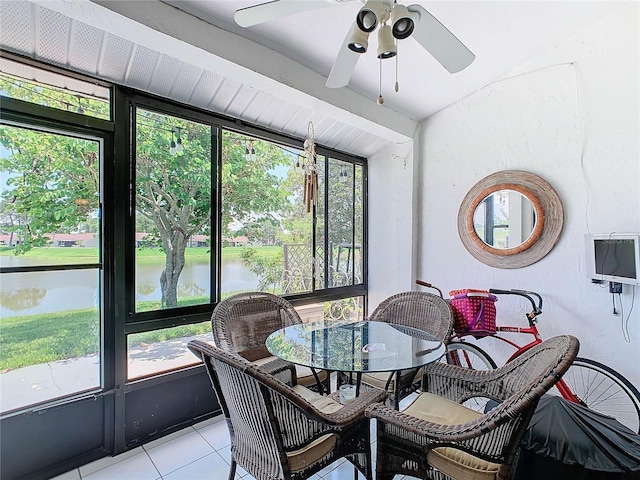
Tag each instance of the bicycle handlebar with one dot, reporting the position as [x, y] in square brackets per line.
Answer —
[429, 285]
[537, 308]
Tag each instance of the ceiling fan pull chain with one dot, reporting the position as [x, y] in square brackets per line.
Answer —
[380, 99]
[396, 86]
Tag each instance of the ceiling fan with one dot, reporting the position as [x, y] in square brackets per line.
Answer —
[393, 21]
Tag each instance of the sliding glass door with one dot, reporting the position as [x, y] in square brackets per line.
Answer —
[50, 254]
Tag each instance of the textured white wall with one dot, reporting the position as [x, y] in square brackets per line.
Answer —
[571, 116]
[390, 223]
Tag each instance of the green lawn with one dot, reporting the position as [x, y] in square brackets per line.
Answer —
[34, 339]
[154, 254]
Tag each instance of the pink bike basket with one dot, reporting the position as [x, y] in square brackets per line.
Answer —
[474, 312]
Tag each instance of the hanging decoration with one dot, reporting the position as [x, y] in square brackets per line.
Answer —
[310, 184]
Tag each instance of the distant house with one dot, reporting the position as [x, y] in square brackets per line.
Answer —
[143, 240]
[8, 240]
[240, 241]
[57, 239]
[72, 239]
[198, 241]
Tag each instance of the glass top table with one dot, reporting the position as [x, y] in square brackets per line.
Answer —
[360, 347]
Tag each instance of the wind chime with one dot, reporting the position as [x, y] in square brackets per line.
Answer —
[309, 171]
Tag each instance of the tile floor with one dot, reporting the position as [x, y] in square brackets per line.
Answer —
[200, 452]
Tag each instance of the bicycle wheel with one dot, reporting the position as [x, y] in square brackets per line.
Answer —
[604, 390]
[470, 356]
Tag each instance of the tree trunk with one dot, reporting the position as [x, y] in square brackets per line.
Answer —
[174, 251]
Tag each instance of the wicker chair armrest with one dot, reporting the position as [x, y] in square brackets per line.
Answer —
[350, 412]
[437, 433]
[282, 370]
[459, 384]
[354, 409]
[196, 345]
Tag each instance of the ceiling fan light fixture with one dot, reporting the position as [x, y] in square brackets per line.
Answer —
[370, 15]
[386, 43]
[359, 41]
[402, 21]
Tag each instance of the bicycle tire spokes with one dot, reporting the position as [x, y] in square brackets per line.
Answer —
[605, 391]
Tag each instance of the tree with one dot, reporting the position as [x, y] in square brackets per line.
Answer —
[173, 191]
[251, 190]
[52, 184]
[53, 180]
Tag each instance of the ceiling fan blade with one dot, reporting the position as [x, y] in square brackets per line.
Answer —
[344, 65]
[263, 12]
[450, 52]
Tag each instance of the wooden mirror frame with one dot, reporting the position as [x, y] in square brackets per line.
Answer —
[547, 230]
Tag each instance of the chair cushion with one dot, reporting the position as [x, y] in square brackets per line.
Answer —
[310, 454]
[379, 379]
[322, 403]
[302, 458]
[453, 462]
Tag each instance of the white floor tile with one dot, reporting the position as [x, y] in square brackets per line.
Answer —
[137, 467]
[209, 467]
[343, 472]
[179, 452]
[168, 438]
[226, 454]
[70, 475]
[216, 434]
[329, 468]
[210, 421]
[105, 462]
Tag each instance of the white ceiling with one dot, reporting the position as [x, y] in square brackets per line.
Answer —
[273, 74]
[502, 35]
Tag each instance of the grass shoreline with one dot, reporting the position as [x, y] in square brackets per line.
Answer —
[91, 253]
[34, 339]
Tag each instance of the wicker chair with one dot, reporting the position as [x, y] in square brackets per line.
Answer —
[280, 431]
[438, 438]
[421, 310]
[241, 324]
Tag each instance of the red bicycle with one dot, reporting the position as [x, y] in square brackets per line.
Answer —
[587, 382]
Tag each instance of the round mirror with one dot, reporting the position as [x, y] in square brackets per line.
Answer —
[510, 219]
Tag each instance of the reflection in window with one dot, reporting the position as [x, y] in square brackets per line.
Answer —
[42, 87]
[159, 351]
[346, 309]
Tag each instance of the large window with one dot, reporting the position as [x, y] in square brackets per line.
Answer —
[208, 209]
[266, 233]
[270, 231]
[173, 211]
[50, 258]
[124, 220]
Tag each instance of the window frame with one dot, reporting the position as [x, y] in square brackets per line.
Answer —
[138, 322]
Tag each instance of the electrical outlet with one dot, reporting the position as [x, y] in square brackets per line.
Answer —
[615, 287]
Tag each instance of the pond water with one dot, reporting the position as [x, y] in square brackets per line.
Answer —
[45, 292]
